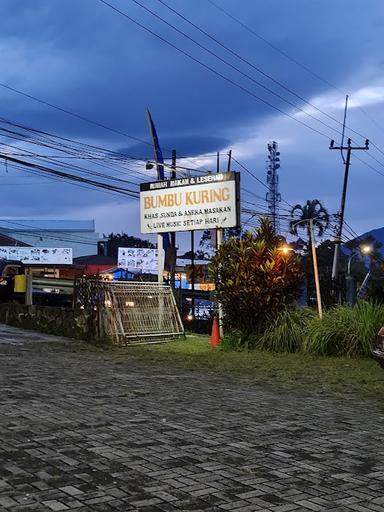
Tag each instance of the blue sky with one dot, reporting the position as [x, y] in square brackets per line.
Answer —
[85, 57]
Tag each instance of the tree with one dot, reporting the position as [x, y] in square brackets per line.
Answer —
[197, 255]
[123, 240]
[300, 220]
[302, 214]
[208, 242]
[255, 280]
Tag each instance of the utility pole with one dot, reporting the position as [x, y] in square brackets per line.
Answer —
[273, 197]
[349, 148]
[229, 160]
[173, 258]
[315, 270]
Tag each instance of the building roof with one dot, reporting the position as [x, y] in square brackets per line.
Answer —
[8, 241]
[46, 225]
[95, 259]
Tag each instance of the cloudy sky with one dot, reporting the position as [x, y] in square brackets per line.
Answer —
[300, 57]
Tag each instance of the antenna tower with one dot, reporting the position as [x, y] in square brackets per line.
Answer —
[273, 197]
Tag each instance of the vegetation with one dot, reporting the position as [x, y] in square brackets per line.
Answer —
[343, 331]
[255, 280]
[313, 211]
[285, 333]
[297, 372]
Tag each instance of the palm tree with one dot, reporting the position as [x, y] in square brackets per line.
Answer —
[302, 214]
[300, 217]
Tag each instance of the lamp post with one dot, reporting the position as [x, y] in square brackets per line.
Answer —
[364, 250]
[351, 290]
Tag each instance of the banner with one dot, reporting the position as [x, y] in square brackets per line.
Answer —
[158, 154]
[36, 255]
[187, 204]
[139, 259]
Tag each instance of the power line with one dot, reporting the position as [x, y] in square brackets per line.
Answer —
[48, 170]
[299, 64]
[63, 144]
[214, 71]
[239, 70]
[246, 61]
[71, 113]
[276, 48]
[229, 64]
[42, 232]
[256, 178]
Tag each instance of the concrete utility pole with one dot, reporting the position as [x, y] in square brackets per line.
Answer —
[229, 160]
[349, 148]
[315, 269]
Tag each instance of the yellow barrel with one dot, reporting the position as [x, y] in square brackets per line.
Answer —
[20, 284]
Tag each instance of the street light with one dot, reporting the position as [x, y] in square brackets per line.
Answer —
[285, 249]
[365, 249]
[350, 282]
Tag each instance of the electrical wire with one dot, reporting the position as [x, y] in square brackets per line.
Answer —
[246, 61]
[214, 71]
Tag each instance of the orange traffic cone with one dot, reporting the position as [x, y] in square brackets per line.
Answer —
[215, 335]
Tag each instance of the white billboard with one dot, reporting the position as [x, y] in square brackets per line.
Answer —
[37, 255]
[137, 259]
[187, 204]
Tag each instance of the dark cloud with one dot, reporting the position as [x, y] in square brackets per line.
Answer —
[91, 60]
[86, 58]
[192, 145]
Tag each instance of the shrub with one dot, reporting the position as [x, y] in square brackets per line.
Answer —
[285, 332]
[233, 340]
[344, 330]
[254, 279]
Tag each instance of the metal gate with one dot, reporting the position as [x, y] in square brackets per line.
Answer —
[138, 312]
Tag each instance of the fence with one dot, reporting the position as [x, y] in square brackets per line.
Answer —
[129, 312]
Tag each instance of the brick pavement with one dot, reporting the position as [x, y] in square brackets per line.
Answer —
[80, 432]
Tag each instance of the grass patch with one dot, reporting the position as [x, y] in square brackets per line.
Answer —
[286, 332]
[344, 330]
[361, 376]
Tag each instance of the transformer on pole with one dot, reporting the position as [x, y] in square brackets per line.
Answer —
[273, 197]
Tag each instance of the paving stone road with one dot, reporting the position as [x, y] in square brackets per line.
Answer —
[80, 432]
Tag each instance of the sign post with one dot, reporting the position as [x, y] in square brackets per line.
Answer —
[194, 203]
[210, 202]
[219, 305]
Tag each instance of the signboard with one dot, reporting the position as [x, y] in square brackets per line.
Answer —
[188, 204]
[38, 255]
[133, 258]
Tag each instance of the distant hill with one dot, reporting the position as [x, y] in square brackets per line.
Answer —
[377, 234]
